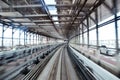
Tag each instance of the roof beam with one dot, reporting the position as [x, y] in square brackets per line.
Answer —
[40, 21]
[50, 21]
[39, 5]
[48, 24]
[39, 15]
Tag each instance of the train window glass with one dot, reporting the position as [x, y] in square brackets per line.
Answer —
[16, 38]
[119, 35]
[118, 14]
[85, 36]
[32, 37]
[92, 37]
[16, 34]
[0, 30]
[16, 42]
[28, 38]
[22, 38]
[0, 36]
[107, 35]
[7, 42]
[8, 33]
[119, 32]
[81, 39]
[7, 37]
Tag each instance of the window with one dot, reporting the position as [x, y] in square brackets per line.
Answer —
[85, 38]
[119, 32]
[107, 35]
[0, 34]
[92, 37]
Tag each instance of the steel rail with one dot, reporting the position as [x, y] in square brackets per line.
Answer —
[83, 71]
[8, 74]
[33, 74]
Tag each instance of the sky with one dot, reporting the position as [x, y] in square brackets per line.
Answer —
[52, 9]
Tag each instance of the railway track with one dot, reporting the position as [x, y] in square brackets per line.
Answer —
[60, 67]
[33, 74]
[83, 71]
[13, 72]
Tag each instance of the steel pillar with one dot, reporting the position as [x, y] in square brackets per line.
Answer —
[79, 35]
[3, 30]
[33, 38]
[30, 38]
[12, 37]
[82, 35]
[24, 38]
[36, 38]
[88, 38]
[19, 37]
[97, 32]
[116, 25]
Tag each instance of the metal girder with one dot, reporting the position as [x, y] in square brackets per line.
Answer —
[45, 16]
[56, 24]
[83, 40]
[115, 7]
[77, 14]
[40, 21]
[84, 24]
[50, 21]
[39, 15]
[93, 8]
[44, 34]
[49, 15]
[88, 34]
[38, 5]
[97, 31]
[108, 7]
[48, 5]
[92, 19]
[47, 24]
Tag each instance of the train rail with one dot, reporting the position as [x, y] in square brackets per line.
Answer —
[82, 70]
[11, 73]
[93, 70]
[63, 63]
[33, 74]
[59, 67]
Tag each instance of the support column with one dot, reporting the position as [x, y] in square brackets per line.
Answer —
[33, 39]
[97, 33]
[3, 30]
[79, 35]
[82, 35]
[12, 37]
[24, 38]
[116, 25]
[19, 37]
[30, 38]
[88, 32]
[36, 38]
